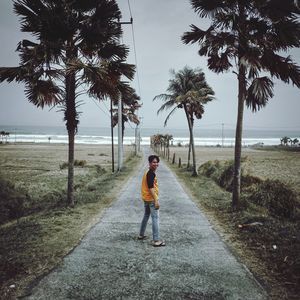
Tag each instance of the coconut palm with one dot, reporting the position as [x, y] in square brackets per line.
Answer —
[76, 49]
[189, 90]
[250, 37]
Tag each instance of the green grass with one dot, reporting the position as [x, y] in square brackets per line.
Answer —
[270, 250]
[35, 243]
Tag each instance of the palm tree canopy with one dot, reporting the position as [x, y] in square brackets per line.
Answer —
[187, 88]
[255, 32]
[78, 37]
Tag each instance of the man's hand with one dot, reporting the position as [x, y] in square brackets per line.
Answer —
[156, 204]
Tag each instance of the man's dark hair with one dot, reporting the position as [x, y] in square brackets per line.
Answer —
[152, 157]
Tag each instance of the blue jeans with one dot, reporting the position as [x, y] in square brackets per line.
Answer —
[150, 210]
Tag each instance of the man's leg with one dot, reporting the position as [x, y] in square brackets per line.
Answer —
[145, 219]
[155, 222]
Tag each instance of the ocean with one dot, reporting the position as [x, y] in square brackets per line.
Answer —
[94, 135]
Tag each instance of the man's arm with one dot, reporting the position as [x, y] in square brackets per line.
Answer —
[155, 197]
[150, 182]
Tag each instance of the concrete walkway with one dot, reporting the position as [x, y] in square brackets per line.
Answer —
[111, 264]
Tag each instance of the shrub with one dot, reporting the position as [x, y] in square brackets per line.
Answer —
[276, 196]
[100, 170]
[12, 201]
[63, 165]
[226, 177]
[79, 163]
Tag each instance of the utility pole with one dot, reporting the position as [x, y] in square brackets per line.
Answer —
[222, 135]
[112, 137]
[136, 139]
[139, 134]
[120, 141]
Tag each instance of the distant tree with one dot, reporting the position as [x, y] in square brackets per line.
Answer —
[2, 133]
[6, 134]
[285, 140]
[295, 141]
[189, 91]
[249, 35]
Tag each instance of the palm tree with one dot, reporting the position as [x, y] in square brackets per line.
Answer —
[130, 104]
[295, 141]
[76, 49]
[189, 90]
[2, 133]
[249, 35]
[285, 140]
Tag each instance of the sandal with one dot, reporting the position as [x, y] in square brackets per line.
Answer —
[142, 237]
[160, 244]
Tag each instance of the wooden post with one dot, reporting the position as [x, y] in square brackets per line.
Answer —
[173, 161]
[179, 162]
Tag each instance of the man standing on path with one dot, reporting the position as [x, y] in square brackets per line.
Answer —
[151, 204]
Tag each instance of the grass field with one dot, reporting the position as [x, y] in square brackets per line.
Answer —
[33, 244]
[281, 165]
[271, 248]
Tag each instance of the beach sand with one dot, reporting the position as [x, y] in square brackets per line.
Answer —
[18, 161]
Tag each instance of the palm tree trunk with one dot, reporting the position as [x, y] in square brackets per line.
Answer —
[238, 139]
[70, 116]
[194, 171]
[189, 153]
[70, 197]
[71, 123]
[112, 138]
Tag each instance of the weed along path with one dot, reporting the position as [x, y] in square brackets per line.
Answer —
[110, 263]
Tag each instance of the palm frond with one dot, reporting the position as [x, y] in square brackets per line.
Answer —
[209, 8]
[43, 93]
[18, 74]
[169, 115]
[281, 67]
[259, 92]
[195, 35]
[166, 105]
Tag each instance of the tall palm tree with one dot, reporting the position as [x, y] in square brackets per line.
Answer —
[189, 90]
[247, 36]
[76, 49]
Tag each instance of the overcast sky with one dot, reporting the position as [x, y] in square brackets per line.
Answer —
[158, 27]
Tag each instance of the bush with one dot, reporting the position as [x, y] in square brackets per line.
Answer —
[77, 163]
[273, 195]
[100, 170]
[12, 201]
[276, 196]
[226, 177]
[63, 165]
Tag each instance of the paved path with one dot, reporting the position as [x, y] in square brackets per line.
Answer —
[111, 264]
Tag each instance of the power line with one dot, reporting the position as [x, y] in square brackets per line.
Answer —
[134, 49]
[101, 109]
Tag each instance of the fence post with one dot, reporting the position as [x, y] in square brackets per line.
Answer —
[179, 162]
[173, 161]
